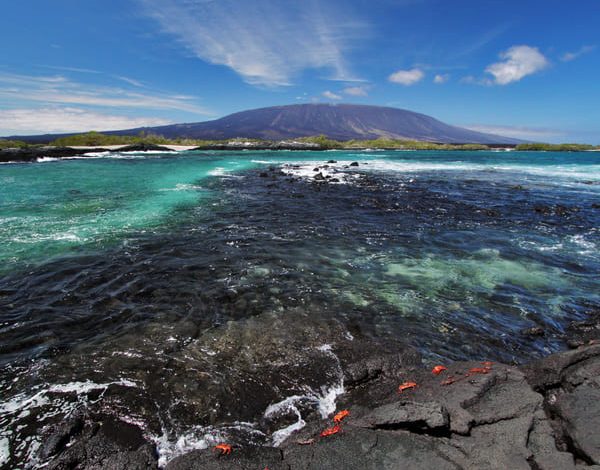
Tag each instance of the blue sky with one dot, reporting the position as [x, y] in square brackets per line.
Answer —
[528, 68]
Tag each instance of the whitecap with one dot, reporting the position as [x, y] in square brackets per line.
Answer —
[219, 171]
[183, 187]
[197, 438]
[583, 245]
[23, 402]
[289, 404]
[305, 170]
[4, 451]
[97, 154]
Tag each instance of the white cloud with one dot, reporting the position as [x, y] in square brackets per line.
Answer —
[517, 62]
[71, 69]
[331, 96]
[131, 81]
[266, 42]
[407, 77]
[356, 90]
[569, 56]
[57, 89]
[65, 119]
[518, 132]
[441, 78]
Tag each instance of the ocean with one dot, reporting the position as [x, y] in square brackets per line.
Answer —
[200, 295]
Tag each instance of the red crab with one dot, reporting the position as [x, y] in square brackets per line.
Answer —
[331, 431]
[338, 418]
[406, 386]
[224, 449]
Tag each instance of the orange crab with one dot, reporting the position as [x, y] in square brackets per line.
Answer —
[224, 449]
[437, 370]
[479, 370]
[338, 418]
[406, 386]
[331, 431]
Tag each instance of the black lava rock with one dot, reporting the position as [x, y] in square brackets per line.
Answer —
[533, 331]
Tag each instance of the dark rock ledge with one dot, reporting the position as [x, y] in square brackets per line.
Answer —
[32, 154]
[543, 416]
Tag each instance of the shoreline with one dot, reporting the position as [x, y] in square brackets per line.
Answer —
[472, 415]
[33, 154]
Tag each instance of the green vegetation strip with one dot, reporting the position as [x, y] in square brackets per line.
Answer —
[97, 139]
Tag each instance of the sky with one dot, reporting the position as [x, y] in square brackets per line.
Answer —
[528, 69]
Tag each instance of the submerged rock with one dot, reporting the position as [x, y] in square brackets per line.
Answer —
[533, 331]
[559, 210]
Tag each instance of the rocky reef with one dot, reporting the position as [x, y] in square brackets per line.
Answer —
[32, 154]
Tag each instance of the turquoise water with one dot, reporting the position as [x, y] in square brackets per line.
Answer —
[58, 207]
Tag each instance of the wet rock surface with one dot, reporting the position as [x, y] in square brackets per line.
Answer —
[100, 443]
[544, 415]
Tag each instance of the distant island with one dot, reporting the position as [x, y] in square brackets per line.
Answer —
[341, 122]
[292, 127]
[78, 144]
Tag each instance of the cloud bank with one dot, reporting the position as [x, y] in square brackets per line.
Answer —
[518, 132]
[407, 77]
[517, 63]
[58, 89]
[65, 119]
[267, 43]
[357, 90]
[331, 95]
